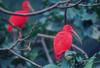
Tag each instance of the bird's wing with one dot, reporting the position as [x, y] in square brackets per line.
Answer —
[62, 42]
[18, 20]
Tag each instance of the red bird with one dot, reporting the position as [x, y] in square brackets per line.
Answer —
[19, 21]
[63, 41]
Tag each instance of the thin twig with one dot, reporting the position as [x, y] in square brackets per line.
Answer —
[65, 17]
[70, 5]
[81, 5]
[65, 13]
[89, 5]
[29, 34]
[14, 44]
[25, 58]
[26, 48]
[46, 51]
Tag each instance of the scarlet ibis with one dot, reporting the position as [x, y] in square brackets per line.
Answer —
[19, 21]
[63, 41]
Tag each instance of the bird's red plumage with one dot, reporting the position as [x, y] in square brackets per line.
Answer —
[25, 5]
[62, 42]
[19, 21]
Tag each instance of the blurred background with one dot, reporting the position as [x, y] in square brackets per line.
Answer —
[85, 21]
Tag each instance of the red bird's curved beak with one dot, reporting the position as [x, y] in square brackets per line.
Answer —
[78, 37]
[30, 7]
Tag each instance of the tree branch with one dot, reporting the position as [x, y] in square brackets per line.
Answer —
[46, 51]
[56, 5]
[45, 36]
[23, 39]
[3, 49]
[82, 5]
[25, 58]
[32, 13]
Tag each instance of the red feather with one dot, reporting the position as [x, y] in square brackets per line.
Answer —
[62, 41]
[19, 21]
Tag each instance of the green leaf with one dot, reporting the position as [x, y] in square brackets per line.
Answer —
[97, 10]
[98, 53]
[89, 63]
[65, 64]
[33, 54]
[69, 55]
[50, 66]
[79, 58]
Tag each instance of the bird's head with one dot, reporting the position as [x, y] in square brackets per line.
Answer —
[25, 5]
[68, 28]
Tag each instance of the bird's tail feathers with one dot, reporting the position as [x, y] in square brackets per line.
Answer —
[9, 28]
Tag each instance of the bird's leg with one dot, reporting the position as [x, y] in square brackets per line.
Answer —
[14, 36]
[20, 36]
